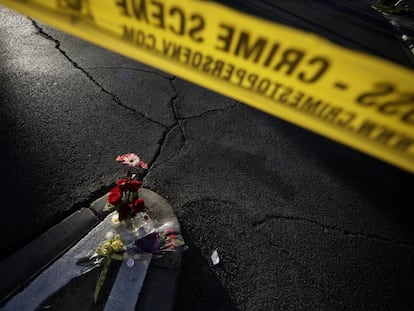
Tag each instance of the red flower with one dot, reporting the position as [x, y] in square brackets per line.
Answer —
[123, 211]
[115, 196]
[137, 206]
[122, 184]
[126, 184]
[134, 185]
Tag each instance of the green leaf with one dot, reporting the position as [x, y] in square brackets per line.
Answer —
[108, 207]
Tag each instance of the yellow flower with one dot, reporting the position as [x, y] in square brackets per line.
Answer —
[117, 245]
[106, 248]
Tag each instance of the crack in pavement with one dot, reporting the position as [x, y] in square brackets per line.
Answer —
[99, 192]
[157, 153]
[171, 79]
[88, 75]
[175, 111]
[179, 124]
[167, 129]
[160, 74]
[211, 111]
[334, 229]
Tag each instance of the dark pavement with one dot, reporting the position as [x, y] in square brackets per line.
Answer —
[299, 222]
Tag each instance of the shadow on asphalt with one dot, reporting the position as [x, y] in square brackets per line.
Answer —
[23, 185]
[13, 192]
[386, 187]
[198, 287]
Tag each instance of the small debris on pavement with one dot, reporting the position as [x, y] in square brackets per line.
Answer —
[215, 257]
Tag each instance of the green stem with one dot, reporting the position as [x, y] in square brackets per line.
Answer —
[101, 278]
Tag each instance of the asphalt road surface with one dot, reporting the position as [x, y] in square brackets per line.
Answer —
[299, 222]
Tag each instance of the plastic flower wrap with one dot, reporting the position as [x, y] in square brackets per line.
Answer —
[165, 238]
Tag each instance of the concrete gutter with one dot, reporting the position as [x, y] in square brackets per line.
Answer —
[23, 266]
[18, 269]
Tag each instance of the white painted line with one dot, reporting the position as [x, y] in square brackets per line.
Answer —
[128, 284]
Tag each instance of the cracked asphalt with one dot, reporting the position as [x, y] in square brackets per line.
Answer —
[299, 222]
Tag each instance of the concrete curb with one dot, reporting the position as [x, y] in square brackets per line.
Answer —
[162, 276]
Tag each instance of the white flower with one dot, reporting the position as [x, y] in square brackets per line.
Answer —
[115, 220]
[109, 235]
[131, 159]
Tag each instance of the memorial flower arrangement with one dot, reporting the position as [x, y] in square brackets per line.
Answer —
[134, 229]
[124, 196]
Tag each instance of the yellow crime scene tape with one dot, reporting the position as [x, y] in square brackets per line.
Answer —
[359, 100]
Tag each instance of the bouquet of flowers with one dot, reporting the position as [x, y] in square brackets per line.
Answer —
[136, 232]
[124, 196]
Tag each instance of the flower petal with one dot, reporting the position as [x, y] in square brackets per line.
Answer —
[143, 164]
